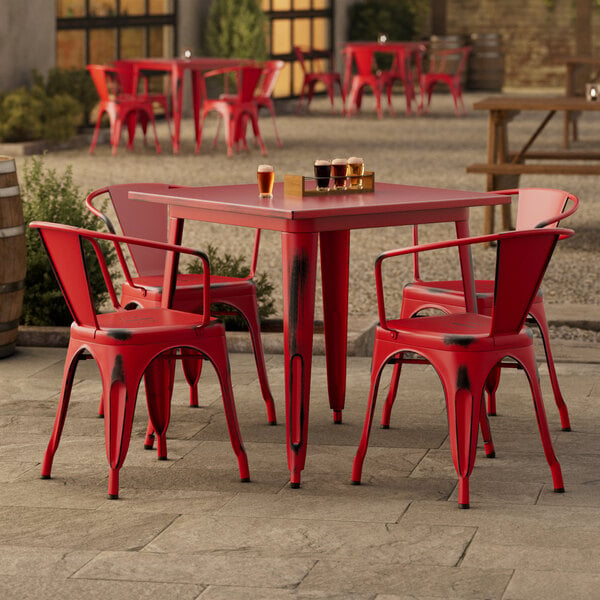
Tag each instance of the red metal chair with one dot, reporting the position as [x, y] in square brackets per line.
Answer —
[537, 207]
[234, 109]
[120, 107]
[311, 78]
[401, 70]
[145, 289]
[446, 67]
[127, 344]
[465, 348]
[364, 60]
[271, 70]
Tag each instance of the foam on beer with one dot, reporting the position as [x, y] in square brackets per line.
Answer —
[355, 160]
[264, 168]
[322, 163]
[339, 161]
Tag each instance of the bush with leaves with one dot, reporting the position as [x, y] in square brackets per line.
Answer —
[30, 114]
[236, 28]
[235, 266]
[48, 196]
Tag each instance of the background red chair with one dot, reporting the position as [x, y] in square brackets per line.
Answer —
[366, 75]
[127, 344]
[311, 78]
[402, 71]
[465, 348]
[537, 207]
[145, 289]
[120, 107]
[445, 67]
[235, 109]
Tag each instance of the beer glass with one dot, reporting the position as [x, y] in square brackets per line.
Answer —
[356, 169]
[265, 176]
[339, 168]
[322, 174]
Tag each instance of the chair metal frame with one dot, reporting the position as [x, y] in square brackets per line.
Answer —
[129, 344]
[465, 348]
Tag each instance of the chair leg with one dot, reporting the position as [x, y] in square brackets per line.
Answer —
[486, 434]
[257, 136]
[216, 351]
[272, 111]
[539, 317]
[192, 369]
[491, 385]
[530, 368]
[389, 401]
[71, 361]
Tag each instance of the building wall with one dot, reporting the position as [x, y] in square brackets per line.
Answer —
[27, 40]
[535, 37]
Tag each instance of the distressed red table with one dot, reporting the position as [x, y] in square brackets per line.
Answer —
[305, 223]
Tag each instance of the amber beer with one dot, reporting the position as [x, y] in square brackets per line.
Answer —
[339, 168]
[322, 174]
[265, 176]
[356, 169]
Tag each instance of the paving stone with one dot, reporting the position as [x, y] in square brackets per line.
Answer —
[214, 592]
[204, 569]
[547, 585]
[43, 562]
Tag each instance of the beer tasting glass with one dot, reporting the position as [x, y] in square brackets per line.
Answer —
[322, 174]
[265, 176]
[339, 168]
[356, 169]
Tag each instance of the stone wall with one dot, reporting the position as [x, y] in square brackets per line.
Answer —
[535, 37]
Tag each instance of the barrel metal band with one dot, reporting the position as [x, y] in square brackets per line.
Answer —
[6, 232]
[12, 190]
[12, 286]
[7, 166]
[9, 325]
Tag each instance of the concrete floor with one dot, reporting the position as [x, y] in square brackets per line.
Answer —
[188, 529]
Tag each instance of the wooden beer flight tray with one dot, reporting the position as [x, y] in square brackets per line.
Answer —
[295, 186]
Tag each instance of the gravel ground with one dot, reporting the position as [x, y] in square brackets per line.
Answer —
[431, 150]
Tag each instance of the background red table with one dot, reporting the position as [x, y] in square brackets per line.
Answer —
[305, 223]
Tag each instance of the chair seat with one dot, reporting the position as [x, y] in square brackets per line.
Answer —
[450, 294]
[470, 331]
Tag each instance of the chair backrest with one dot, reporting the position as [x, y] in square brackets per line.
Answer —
[452, 61]
[107, 81]
[65, 247]
[146, 220]
[300, 57]
[521, 261]
[271, 71]
[363, 59]
[543, 207]
[249, 76]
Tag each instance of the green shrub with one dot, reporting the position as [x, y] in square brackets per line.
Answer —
[236, 28]
[48, 196]
[78, 84]
[30, 114]
[235, 266]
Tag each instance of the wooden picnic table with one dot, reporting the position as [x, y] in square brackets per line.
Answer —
[503, 167]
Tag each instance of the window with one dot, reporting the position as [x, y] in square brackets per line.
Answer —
[305, 23]
[100, 31]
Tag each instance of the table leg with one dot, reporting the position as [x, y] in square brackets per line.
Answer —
[299, 253]
[466, 266]
[335, 256]
[176, 105]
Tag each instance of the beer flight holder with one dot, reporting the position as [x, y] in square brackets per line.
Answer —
[295, 186]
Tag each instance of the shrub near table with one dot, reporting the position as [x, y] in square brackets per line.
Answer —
[49, 196]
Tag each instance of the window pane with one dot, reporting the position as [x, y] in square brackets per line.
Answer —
[70, 49]
[302, 33]
[133, 42]
[284, 82]
[321, 34]
[161, 41]
[102, 45]
[302, 5]
[103, 8]
[282, 4]
[281, 40]
[321, 4]
[132, 7]
[160, 7]
[70, 8]
[265, 5]
[298, 79]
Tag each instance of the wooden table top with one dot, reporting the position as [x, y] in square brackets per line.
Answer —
[535, 102]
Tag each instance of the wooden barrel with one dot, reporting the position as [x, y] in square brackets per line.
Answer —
[12, 256]
[449, 42]
[486, 62]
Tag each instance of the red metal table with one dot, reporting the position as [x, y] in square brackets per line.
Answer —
[176, 68]
[305, 223]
